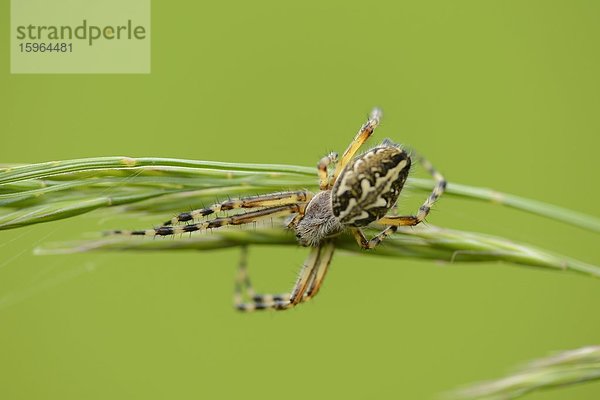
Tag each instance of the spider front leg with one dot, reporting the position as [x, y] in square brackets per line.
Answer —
[393, 221]
[265, 200]
[361, 137]
[306, 287]
[237, 219]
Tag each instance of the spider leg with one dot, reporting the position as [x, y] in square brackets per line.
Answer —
[238, 219]
[283, 301]
[265, 200]
[324, 163]
[243, 285]
[320, 272]
[361, 137]
[301, 210]
[394, 221]
[368, 244]
[438, 190]
[243, 289]
[304, 291]
[306, 287]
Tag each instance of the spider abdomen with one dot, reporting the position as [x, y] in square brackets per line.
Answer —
[369, 186]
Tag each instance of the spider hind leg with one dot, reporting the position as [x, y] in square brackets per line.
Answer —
[306, 287]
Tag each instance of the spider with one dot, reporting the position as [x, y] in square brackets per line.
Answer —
[359, 191]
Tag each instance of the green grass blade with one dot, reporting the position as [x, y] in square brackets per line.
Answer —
[64, 209]
[421, 243]
[52, 168]
[532, 206]
[566, 368]
[25, 189]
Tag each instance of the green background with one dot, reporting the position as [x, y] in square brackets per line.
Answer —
[502, 94]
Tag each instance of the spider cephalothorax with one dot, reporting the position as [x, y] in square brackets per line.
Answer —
[358, 192]
[318, 221]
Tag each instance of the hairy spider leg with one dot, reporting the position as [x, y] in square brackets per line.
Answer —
[361, 137]
[393, 221]
[321, 271]
[264, 200]
[306, 287]
[304, 291]
[243, 284]
[238, 219]
[243, 289]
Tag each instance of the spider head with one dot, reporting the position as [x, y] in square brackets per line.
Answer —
[318, 221]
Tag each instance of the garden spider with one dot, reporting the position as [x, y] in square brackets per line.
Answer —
[358, 192]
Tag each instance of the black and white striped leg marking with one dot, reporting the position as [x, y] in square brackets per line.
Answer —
[243, 289]
[306, 287]
[238, 219]
[266, 200]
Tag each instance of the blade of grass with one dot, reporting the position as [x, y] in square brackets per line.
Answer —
[47, 169]
[60, 210]
[519, 203]
[566, 368]
[423, 243]
[79, 180]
